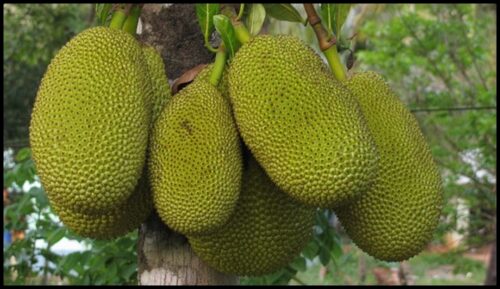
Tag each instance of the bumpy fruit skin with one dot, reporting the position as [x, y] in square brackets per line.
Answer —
[195, 165]
[119, 220]
[302, 125]
[267, 230]
[89, 127]
[159, 80]
[395, 219]
[223, 84]
[113, 223]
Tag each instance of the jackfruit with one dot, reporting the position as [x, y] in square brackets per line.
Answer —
[267, 230]
[195, 165]
[396, 217]
[302, 125]
[89, 127]
[128, 216]
[159, 80]
[222, 86]
[115, 222]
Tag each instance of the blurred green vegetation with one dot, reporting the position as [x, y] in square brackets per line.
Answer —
[425, 269]
[32, 35]
[444, 56]
[433, 55]
[28, 211]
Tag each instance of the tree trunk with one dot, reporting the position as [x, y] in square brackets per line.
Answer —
[165, 257]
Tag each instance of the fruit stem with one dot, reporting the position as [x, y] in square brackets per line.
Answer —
[118, 18]
[132, 20]
[327, 43]
[242, 33]
[220, 62]
[240, 13]
[333, 59]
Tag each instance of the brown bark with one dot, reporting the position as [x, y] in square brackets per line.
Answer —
[165, 257]
[175, 31]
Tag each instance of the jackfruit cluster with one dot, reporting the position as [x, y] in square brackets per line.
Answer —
[395, 218]
[195, 162]
[116, 222]
[303, 126]
[76, 101]
[267, 230]
[111, 144]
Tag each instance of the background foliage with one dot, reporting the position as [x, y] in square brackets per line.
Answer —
[444, 56]
[33, 33]
[434, 56]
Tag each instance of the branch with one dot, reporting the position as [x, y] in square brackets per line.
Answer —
[326, 42]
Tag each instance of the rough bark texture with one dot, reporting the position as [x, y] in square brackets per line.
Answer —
[175, 31]
[165, 257]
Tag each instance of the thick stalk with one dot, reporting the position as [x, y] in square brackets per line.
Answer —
[326, 42]
[333, 59]
[118, 19]
[220, 62]
[242, 33]
[130, 25]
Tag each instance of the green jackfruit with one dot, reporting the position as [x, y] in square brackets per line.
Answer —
[159, 80]
[89, 127]
[267, 231]
[195, 164]
[302, 125]
[113, 223]
[222, 86]
[396, 217]
[128, 216]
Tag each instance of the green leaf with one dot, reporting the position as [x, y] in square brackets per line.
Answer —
[284, 11]
[299, 264]
[69, 262]
[226, 31]
[255, 18]
[327, 16]
[9, 178]
[128, 271]
[205, 13]
[23, 154]
[324, 256]
[102, 12]
[56, 236]
[334, 16]
[280, 276]
[311, 250]
[336, 249]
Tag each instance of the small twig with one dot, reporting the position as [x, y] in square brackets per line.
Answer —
[324, 40]
[327, 42]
